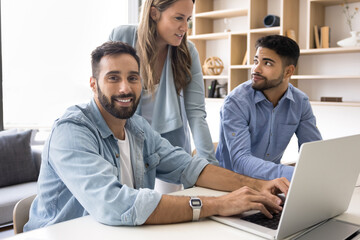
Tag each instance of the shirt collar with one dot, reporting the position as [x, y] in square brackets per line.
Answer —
[101, 125]
[289, 93]
[259, 96]
[104, 129]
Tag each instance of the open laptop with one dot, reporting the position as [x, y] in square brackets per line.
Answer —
[321, 188]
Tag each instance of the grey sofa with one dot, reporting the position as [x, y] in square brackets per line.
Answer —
[15, 188]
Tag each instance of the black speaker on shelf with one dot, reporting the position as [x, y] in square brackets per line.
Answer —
[271, 21]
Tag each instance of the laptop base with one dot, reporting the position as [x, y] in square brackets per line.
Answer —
[331, 230]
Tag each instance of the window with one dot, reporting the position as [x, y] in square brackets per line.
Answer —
[46, 46]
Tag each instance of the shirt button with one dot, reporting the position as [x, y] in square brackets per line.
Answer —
[116, 155]
[146, 165]
[267, 154]
[233, 134]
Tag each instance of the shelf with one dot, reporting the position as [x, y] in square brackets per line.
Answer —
[228, 13]
[270, 30]
[344, 104]
[313, 103]
[313, 77]
[239, 45]
[238, 33]
[240, 67]
[332, 2]
[215, 77]
[209, 36]
[214, 36]
[329, 50]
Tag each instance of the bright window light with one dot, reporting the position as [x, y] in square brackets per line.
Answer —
[46, 47]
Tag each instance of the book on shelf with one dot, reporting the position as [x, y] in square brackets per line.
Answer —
[331, 99]
[316, 36]
[245, 58]
[325, 36]
[290, 33]
[322, 36]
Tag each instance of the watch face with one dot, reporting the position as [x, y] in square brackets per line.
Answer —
[196, 202]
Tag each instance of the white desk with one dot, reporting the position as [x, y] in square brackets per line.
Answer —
[88, 228]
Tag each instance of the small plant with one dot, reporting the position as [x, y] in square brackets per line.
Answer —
[190, 26]
[349, 15]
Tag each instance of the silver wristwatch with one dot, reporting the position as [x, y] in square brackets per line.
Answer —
[195, 204]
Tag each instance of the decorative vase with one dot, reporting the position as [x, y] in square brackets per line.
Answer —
[353, 41]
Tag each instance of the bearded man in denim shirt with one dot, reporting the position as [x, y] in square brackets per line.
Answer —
[101, 159]
[259, 117]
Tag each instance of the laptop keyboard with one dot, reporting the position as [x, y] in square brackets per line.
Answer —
[261, 219]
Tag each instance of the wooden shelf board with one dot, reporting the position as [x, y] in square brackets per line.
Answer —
[215, 77]
[274, 30]
[332, 2]
[240, 67]
[214, 36]
[238, 33]
[227, 13]
[345, 104]
[313, 77]
[210, 36]
[329, 50]
[313, 103]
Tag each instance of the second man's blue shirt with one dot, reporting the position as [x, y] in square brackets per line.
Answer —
[254, 134]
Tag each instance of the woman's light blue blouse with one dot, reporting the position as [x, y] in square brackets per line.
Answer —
[173, 113]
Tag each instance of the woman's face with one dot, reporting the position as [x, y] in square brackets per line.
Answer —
[172, 24]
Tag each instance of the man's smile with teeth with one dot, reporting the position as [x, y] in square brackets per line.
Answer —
[124, 100]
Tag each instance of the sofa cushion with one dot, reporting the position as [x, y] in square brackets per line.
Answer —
[8, 132]
[17, 165]
[10, 196]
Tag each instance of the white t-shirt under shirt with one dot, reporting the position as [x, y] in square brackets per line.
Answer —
[127, 176]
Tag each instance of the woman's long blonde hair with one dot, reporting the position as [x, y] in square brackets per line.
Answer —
[148, 52]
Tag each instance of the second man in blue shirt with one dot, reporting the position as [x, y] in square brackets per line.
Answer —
[260, 116]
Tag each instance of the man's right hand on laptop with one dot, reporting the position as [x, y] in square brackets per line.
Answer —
[245, 199]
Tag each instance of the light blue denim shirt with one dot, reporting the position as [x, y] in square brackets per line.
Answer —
[175, 112]
[254, 134]
[80, 171]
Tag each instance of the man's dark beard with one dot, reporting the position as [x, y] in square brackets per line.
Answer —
[267, 84]
[109, 106]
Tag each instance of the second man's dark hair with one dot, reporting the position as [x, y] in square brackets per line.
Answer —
[285, 47]
[110, 48]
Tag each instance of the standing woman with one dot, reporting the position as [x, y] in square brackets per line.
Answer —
[173, 87]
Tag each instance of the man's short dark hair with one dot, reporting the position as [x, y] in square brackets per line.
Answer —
[285, 47]
[110, 48]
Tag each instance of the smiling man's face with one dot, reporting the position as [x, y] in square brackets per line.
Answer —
[118, 87]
